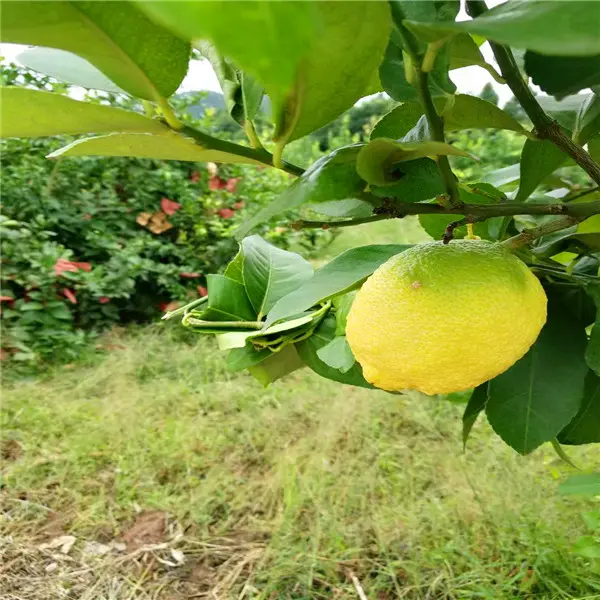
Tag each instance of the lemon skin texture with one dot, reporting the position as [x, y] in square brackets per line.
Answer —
[444, 318]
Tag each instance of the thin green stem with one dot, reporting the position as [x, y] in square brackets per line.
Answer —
[327, 224]
[257, 155]
[252, 136]
[545, 127]
[170, 117]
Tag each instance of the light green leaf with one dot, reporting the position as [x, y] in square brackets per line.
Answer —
[267, 39]
[337, 354]
[332, 177]
[271, 273]
[503, 176]
[140, 57]
[585, 426]
[338, 68]
[541, 393]
[470, 112]
[587, 123]
[167, 146]
[592, 353]
[67, 67]
[563, 27]
[464, 52]
[539, 159]
[398, 122]
[582, 484]
[375, 161]
[227, 301]
[342, 274]
[342, 305]
[252, 95]
[587, 546]
[308, 351]
[561, 76]
[235, 268]
[476, 405]
[245, 357]
[34, 113]
[278, 365]
[352, 208]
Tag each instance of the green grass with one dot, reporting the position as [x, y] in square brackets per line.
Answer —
[287, 492]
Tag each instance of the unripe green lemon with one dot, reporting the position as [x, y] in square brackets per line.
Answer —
[443, 318]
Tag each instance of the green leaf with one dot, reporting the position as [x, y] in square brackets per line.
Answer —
[278, 365]
[503, 176]
[337, 69]
[587, 123]
[561, 76]
[34, 113]
[539, 395]
[567, 240]
[539, 159]
[308, 351]
[241, 93]
[352, 208]
[271, 273]
[585, 425]
[398, 122]
[332, 177]
[267, 39]
[594, 149]
[337, 354]
[235, 268]
[67, 67]
[227, 301]
[344, 273]
[587, 546]
[245, 357]
[464, 52]
[142, 58]
[582, 484]
[476, 405]
[564, 27]
[417, 180]
[167, 146]
[470, 112]
[375, 161]
[592, 354]
[342, 306]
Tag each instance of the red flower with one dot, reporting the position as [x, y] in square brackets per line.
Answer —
[226, 213]
[6, 299]
[232, 184]
[69, 295]
[195, 177]
[169, 207]
[104, 299]
[216, 183]
[187, 275]
[239, 205]
[68, 266]
[202, 291]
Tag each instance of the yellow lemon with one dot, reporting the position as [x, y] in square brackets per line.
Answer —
[443, 318]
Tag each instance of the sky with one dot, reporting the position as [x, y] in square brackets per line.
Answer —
[202, 77]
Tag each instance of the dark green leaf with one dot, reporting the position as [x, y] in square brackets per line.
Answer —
[476, 405]
[34, 113]
[567, 240]
[342, 306]
[592, 354]
[276, 366]
[271, 273]
[142, 58]
[375, 161]
[539, 395]
[585, 426]
[227, 301]
[561, 76]
[417, 180]
[252, 95]
[309, 348]
[166, 146]
[594, 149]
[239, 359]
[398, 122]
[539, 159]
[332, 177]
[342, 274]
[67, 67]
[587, 124]
[337, 354]
[565, 27]
[352, 208]
[582, 484]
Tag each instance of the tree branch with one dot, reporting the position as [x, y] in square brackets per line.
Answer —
[471, 212]
[257, 154]
[529, 235]
[545, 127]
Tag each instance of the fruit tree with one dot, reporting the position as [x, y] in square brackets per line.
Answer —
[500, 308]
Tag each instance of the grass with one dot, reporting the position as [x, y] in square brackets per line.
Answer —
[308, 489]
